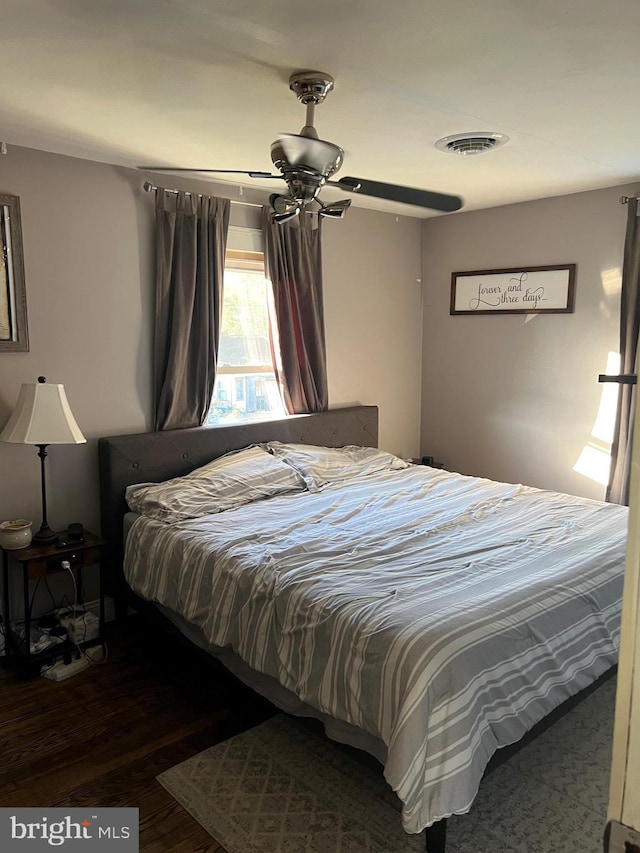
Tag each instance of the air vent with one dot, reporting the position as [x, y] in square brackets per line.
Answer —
[471, 143]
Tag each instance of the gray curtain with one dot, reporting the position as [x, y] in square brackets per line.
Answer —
[293, 264]
[618, 489]
[191, 238]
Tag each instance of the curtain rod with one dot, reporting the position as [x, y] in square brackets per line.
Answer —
[625, 199]
[150, 188]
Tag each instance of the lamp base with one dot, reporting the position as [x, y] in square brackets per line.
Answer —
[45, 536]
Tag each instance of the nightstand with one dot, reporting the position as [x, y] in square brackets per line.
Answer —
[427, 460]
[34, 564]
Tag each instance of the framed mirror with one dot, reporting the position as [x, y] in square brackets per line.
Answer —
[14, 335]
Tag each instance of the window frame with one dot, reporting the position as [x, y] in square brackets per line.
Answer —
[245, 260]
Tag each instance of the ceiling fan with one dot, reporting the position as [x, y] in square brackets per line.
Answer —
[306, 163]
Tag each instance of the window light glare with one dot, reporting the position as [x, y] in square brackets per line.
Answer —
[605, 422]
[594, 461]
[611, 281]
[594, 464]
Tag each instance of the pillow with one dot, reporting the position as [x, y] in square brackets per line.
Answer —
[227, 482]
[320, 465]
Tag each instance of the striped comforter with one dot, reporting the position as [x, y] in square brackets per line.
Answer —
[443, 614]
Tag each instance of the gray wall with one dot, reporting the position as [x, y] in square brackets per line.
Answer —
[512, 397]
[88, 247]
[505, 397]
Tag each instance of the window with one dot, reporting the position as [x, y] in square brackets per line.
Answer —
[246, 387]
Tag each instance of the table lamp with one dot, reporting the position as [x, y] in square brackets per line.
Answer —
[42, 417]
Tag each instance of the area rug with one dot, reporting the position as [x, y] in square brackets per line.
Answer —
[282, 787]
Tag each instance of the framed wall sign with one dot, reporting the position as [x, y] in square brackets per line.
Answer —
[13, 298]
[518, 290]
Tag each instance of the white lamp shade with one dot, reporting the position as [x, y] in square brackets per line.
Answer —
[42, 416]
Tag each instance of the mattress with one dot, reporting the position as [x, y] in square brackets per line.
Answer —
[442, 615]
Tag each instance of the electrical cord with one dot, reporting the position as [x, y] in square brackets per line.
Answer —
[23, 640]
[105, 651]
[66, 565]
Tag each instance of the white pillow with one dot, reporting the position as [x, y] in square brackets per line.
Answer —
[320, 465]
[227, 482]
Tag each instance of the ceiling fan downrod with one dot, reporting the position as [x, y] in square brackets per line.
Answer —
[310, 88]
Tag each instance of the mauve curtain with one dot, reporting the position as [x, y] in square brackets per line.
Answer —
[191, 238]
[293, 264]
[618, 489]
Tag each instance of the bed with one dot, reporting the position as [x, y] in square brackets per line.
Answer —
[428, 618]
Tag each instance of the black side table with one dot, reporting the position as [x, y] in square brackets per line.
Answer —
[427, 460]
[36, 562]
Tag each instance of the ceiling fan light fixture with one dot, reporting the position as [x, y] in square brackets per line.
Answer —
[470, 144]
[281, 218]
[283, 208]
[336, 209]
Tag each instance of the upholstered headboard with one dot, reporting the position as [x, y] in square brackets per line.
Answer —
[156, 456]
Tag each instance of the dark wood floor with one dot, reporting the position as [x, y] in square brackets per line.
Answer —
[102, 737]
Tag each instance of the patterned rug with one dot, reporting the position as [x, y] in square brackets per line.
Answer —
[283, 788]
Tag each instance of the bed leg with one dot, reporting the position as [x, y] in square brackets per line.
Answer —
[435, 837]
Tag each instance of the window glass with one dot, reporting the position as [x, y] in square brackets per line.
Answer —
[246, 387]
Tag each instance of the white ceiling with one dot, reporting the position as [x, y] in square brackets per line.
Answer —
[204, 83]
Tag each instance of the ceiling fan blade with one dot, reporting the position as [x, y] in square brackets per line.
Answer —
[255, 174]
[404, 195]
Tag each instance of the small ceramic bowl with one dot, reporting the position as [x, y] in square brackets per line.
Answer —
[15, 534]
